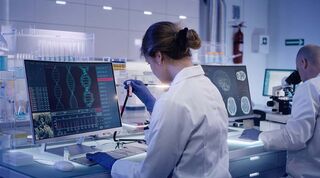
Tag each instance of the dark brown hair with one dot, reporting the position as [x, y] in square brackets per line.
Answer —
[169, 39]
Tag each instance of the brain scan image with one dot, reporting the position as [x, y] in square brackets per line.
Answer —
[223, 80]
[241, 75]
[231, 106]
[245, 105]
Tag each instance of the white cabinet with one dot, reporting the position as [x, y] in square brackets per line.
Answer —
[156, 6]
[191, 23]
[73, 1]
[189, 8]
[112, 43]
[124, 4]
[20, 10]
[96, 16]
[270, 164]
[140, 22]
[50, 12]
[135, 39]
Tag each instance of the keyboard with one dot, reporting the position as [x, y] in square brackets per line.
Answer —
[124, 152]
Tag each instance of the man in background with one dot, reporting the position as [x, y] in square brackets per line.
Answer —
[301, 135]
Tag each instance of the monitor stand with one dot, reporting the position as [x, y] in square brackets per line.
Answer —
[73, 150]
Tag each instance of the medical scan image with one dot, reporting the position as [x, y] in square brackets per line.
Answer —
[223, 80]
[241, 75]
[232, 83]
[232, 106]
[245, 105]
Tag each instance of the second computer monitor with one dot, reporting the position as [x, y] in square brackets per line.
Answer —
[274, 78]
[232, 82]
[71, 99]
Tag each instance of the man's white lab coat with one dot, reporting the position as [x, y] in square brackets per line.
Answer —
[188, 133]
[301, 135]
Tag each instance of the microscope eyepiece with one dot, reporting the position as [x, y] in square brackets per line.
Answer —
[294, 78]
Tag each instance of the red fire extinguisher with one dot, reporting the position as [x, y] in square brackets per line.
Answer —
[238, 44]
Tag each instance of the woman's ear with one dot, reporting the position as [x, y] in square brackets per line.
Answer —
[159, 58]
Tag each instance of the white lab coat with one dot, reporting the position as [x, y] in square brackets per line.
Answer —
[188, 133]
[301, 135]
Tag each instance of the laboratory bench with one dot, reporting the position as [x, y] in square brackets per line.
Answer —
[247, 159]
[254, 161]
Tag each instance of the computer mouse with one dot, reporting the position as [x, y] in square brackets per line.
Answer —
[63, 166]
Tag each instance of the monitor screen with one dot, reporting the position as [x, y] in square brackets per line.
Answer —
[272, 78]
[232, 82]
[71, 99]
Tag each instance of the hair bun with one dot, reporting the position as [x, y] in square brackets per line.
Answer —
[182, 38]
[193, 40]
[169, 39]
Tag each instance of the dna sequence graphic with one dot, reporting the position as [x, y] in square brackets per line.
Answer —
[85, 81]
[73, 103]
[57, 90]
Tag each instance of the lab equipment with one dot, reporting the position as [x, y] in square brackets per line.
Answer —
[276, 117]
[251, 134]
[211, 53]
[142, 92]
[294, 78]
[283, 83]
[129, 94]
[51, 45]
[212, 32]
[129, 89]
[103, 159]
[3, 100]
[71, 100]
[3, 63]
[274, 78]
[65, 166]
[3, 53]
[232, 82]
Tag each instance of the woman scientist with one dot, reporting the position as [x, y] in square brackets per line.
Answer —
[188, 125]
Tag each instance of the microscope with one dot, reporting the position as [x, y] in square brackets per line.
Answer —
[282, 95]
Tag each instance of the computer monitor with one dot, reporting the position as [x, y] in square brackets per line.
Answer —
[71, 99]
[273, 78]
[232, 82]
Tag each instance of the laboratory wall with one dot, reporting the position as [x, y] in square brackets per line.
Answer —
[291, 19]
[118, 32]
[254, 14]
[256, 21]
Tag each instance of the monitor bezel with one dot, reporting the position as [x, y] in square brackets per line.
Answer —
[265, 74]
[234, 118]
[72, 136]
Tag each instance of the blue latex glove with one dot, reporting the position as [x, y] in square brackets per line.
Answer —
[142, 92]
[251, 134]
[103, 159]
